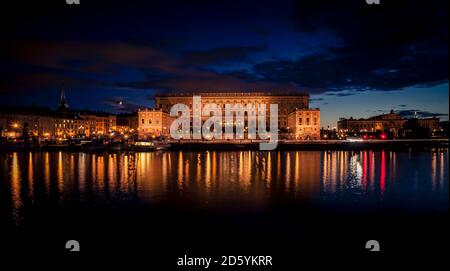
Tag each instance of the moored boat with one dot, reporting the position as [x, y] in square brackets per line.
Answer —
[161, 145]
[144, 146]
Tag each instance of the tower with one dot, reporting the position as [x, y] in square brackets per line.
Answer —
[63, 106]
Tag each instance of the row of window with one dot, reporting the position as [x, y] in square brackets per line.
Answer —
[222, 104]
[300, 121]
[150, 122]
[307, 114]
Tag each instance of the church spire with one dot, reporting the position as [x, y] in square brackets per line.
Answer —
[63, 106]
[63, 95]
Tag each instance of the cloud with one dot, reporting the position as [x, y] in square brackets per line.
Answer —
[119, 104]
[391, 46]
[98, 64]
[26, 81]
[341, 94]
[409, 113]
[38, 64]
[194, 80]
[83, 56]
[237, 54]
[385, 47]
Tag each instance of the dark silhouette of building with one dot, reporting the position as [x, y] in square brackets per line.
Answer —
[63, 105]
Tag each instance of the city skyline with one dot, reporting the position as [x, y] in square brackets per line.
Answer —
[115, 59]
[189, 134]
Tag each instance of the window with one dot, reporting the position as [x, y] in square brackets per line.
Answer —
[143, 121]
[307, 121]
[300, 121]
[315, 121]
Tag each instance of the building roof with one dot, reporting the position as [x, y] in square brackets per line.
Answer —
[229, 93]
[390, 116]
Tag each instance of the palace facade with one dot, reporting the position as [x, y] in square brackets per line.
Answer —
[157, 121]
[154, 123]
[287, 103]
[304, 124]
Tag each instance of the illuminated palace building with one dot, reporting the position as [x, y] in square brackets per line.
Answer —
[295, 118]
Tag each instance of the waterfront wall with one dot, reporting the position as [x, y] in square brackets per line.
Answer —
[286, 145]
[317, 145]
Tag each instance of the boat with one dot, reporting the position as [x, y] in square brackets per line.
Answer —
[151, 146]
[161, 145]
[144, 146]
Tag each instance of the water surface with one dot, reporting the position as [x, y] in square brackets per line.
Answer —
[407, 182]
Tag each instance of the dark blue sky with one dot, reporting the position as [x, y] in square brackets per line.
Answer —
[354, 59]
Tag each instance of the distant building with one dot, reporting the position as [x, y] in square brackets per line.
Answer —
[45, 124]
[105, 123]
[26, 122]
[20, 124]
[431, 123]
[154, 123]
[390, 122]
[90, 124]
[304, 124]
[69, 126]
[127, 122]
[443, 129]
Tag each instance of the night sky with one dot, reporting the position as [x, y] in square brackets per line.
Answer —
[354, 59]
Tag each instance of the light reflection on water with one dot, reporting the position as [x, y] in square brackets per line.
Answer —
[406, 180]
